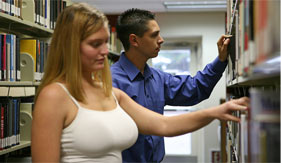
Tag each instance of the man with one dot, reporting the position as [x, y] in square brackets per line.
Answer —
[140, 36]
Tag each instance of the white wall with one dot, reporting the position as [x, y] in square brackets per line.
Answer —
[208, 26]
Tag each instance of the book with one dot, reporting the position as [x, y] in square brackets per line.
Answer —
[29, 46]
[38, 54]
[18, 121]
[12, 58]
[20, 8]
[244, 139]
[267, 29]
[42, 54]
[10, 122]
[4, 73]
[18, 59]
[264, 130]
[8, 57]
[0, 50]
[2, 124]
[47, 13]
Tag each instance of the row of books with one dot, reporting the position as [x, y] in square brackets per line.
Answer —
[264, 126]
[10, 122]
[257, 137]
[233, 129]
[11, 48]
[15, 121]
[11, 7]
[255, 29]
[42, 12]
[38, 49]
[9, 57]
[114, 43]
[47, 11]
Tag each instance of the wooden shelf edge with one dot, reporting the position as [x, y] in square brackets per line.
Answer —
[18, 83]
[22, 144]
[20, 24]
[265, 73]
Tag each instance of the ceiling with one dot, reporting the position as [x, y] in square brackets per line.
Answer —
[118, 6]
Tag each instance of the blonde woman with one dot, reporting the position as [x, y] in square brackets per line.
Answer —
[78, 116]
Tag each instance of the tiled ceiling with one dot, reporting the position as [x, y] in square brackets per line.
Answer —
[118, 6]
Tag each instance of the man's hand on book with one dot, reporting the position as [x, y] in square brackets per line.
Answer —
[222, 47]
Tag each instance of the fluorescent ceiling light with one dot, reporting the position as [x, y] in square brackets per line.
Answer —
[196, 5]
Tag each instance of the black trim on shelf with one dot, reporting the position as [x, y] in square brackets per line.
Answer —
[113, 56]
[114, 53]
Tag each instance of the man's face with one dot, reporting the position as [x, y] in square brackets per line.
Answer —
[150, 42]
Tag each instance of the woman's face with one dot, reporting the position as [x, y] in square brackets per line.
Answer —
[94, 50]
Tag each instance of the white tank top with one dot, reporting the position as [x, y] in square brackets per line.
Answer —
[97, 136]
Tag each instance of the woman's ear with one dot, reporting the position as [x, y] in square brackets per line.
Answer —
[133, 40]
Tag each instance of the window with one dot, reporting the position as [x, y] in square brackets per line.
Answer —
[175, 62]
[179, 145]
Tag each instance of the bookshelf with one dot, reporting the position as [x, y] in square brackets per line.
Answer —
[22, 27]
[113, 57]
[254, 71]
[20, 73]
[115, 45]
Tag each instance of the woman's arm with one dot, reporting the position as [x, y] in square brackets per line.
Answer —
[47, 124]
[152, 123]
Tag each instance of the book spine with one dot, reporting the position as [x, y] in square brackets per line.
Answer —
[1, 53]
[12, 58]
[2, 125]
[10, 122]
[18, 121]
[42, 56]
[14, 137]
[6, 112]
[37, 73]
[8, 57]
[18, 59]
[4, 65]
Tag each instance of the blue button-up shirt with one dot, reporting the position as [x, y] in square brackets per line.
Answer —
[154, 89]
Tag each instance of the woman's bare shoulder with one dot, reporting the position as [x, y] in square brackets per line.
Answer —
[52, 96]
[51, 107]
[120, 94]
[52, 91]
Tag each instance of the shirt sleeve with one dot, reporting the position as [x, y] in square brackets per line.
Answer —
[185, 90]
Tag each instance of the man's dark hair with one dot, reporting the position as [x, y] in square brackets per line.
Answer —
[132, 21]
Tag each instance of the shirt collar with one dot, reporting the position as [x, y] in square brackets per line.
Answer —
[131, 70]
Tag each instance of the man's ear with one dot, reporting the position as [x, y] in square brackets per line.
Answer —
[133, 40]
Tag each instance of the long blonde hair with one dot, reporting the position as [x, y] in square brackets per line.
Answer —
[73, 25]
